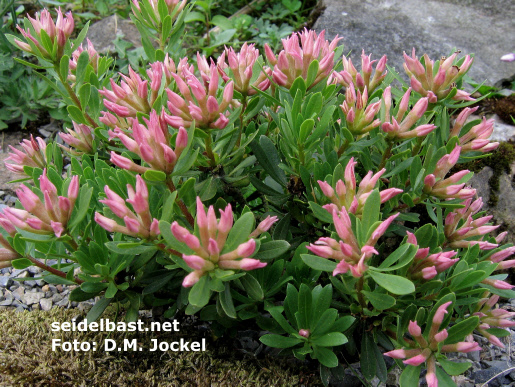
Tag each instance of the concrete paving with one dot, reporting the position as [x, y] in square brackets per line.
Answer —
[483, 27]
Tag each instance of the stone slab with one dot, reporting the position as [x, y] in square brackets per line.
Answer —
[103, 32]
[485, 28]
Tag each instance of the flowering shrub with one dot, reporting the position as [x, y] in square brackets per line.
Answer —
[366, 242]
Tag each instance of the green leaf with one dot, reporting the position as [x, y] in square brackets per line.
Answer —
[275, 312]
[93, 287]
[332, 339]
[320, 212]
[410, 376]
[75, 114]
[97, 309]
[268, 158]
[64, 66]
[271, 250]
[444, 380]
[252, 287]
[404, 254]
[227, 302]
[378, 300]
[326, 357]
[462, 329]
[153, 175]
[111, 290]
[453, 368]
[303, 314]
[312, 72]
[393, 283]
[278, 341]
[371, 211]
[318, 263]
[200, 292]
[367, 358]
[21, 263]
[240, 231]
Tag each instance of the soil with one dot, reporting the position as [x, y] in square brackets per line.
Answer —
[504, 107]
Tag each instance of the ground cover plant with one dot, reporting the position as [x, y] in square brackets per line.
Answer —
[289, 192]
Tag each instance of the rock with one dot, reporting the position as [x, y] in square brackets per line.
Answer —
[84, 306]
[8, 299]
[16, 272]
[502, 132]
[462, 381]
[45, 303]
[434, 27]
[45, 288]
[64, 302]
[19, 293]
[57, 297]
[24, 274]
[32, 298]
[35, 270]
[503, 211]
[103, 32]
[493, 374]
[40, 282]
[5, 282]
[30, 283]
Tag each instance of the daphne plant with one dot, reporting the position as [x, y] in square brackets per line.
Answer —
[367, 239]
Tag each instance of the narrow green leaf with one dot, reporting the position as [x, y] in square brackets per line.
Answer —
[200, 292]
[318, 263]
[393, 283]
[379, 301]
[410, 376]
[97, 309]
[278, 341]
[227, 302]
[332, 339]
[453, 368]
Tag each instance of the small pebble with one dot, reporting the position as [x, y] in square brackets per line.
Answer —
[46, 304]
[5, 282]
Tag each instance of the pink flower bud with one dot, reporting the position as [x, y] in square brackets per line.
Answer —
[246, 249]
[192, 278]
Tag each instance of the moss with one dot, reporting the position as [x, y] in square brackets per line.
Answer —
[500, 161]
[27, 359]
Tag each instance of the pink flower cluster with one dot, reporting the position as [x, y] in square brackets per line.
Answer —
[427, 266]
[197, 99]
[58, 32]
[241, 65]
[81, 139]
[139, 222]
[128, 99]
[427, 347]
[151, 142]
[436, 86]
[174, 7]
[489, 318]
[460, 225]
[345, 194]
[48, 217]
[33, 155]
[477, 138]
[347, 251]
[361, 80]
[93, 60]
[209, 245]
[401, 127]
[7, 253]
[435, 184]
[359, 115]
[294, 60]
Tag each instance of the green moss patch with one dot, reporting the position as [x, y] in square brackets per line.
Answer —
[27, 359]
